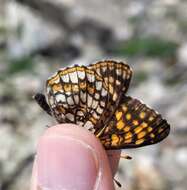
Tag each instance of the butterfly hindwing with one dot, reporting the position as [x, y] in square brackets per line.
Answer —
[134, 125]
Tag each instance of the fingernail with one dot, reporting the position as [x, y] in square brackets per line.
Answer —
[65, 163]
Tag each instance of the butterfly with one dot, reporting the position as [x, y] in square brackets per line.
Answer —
[95, 97]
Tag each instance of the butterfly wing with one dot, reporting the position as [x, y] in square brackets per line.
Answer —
[88, 96]
[116, 76]
[134, 125]
[93, 97]
[78, 95]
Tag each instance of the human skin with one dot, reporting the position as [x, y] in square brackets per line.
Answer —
[69, 157]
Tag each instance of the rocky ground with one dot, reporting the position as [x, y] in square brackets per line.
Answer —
[38, 37]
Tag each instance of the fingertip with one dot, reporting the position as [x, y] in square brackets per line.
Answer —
[114, 157]
[71, 155]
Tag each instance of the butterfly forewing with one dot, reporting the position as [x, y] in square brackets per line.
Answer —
[116, 76]
[134, 125]
[77, 95]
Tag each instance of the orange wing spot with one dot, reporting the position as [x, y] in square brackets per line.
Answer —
[126, 128]
[115, 139]
[63, 72]
[128, 140]
[67, 87]
[71, 70]
[149, 129]
[124, 108]
[128, 135]
[138, 129]
[75, 88]
[152, 135]
[53, 79]
[82, 85]
[80, 69]
[144, 125]
[61, 109]
[57, 87]
[135, 122]
[141, 135]
[118, 115]
[142, 115]
[128, 116]
[120, 124]
[140, 141]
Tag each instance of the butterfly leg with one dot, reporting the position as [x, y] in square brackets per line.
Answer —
[117, 182]
[125, 156]
[41, 100]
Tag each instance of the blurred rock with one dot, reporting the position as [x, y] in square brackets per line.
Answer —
[25, 36]
[97, 33]
[142, 178]
[182, 54]
[178, 109]
[181, 158]
[59, 49]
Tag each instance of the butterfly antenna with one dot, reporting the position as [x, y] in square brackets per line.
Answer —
[125, 156]
[117, 183]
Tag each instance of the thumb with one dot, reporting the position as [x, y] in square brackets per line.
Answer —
[71, 158]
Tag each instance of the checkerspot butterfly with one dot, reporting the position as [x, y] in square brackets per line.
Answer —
[95, 97]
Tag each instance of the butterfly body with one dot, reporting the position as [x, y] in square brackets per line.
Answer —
[94, 97]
